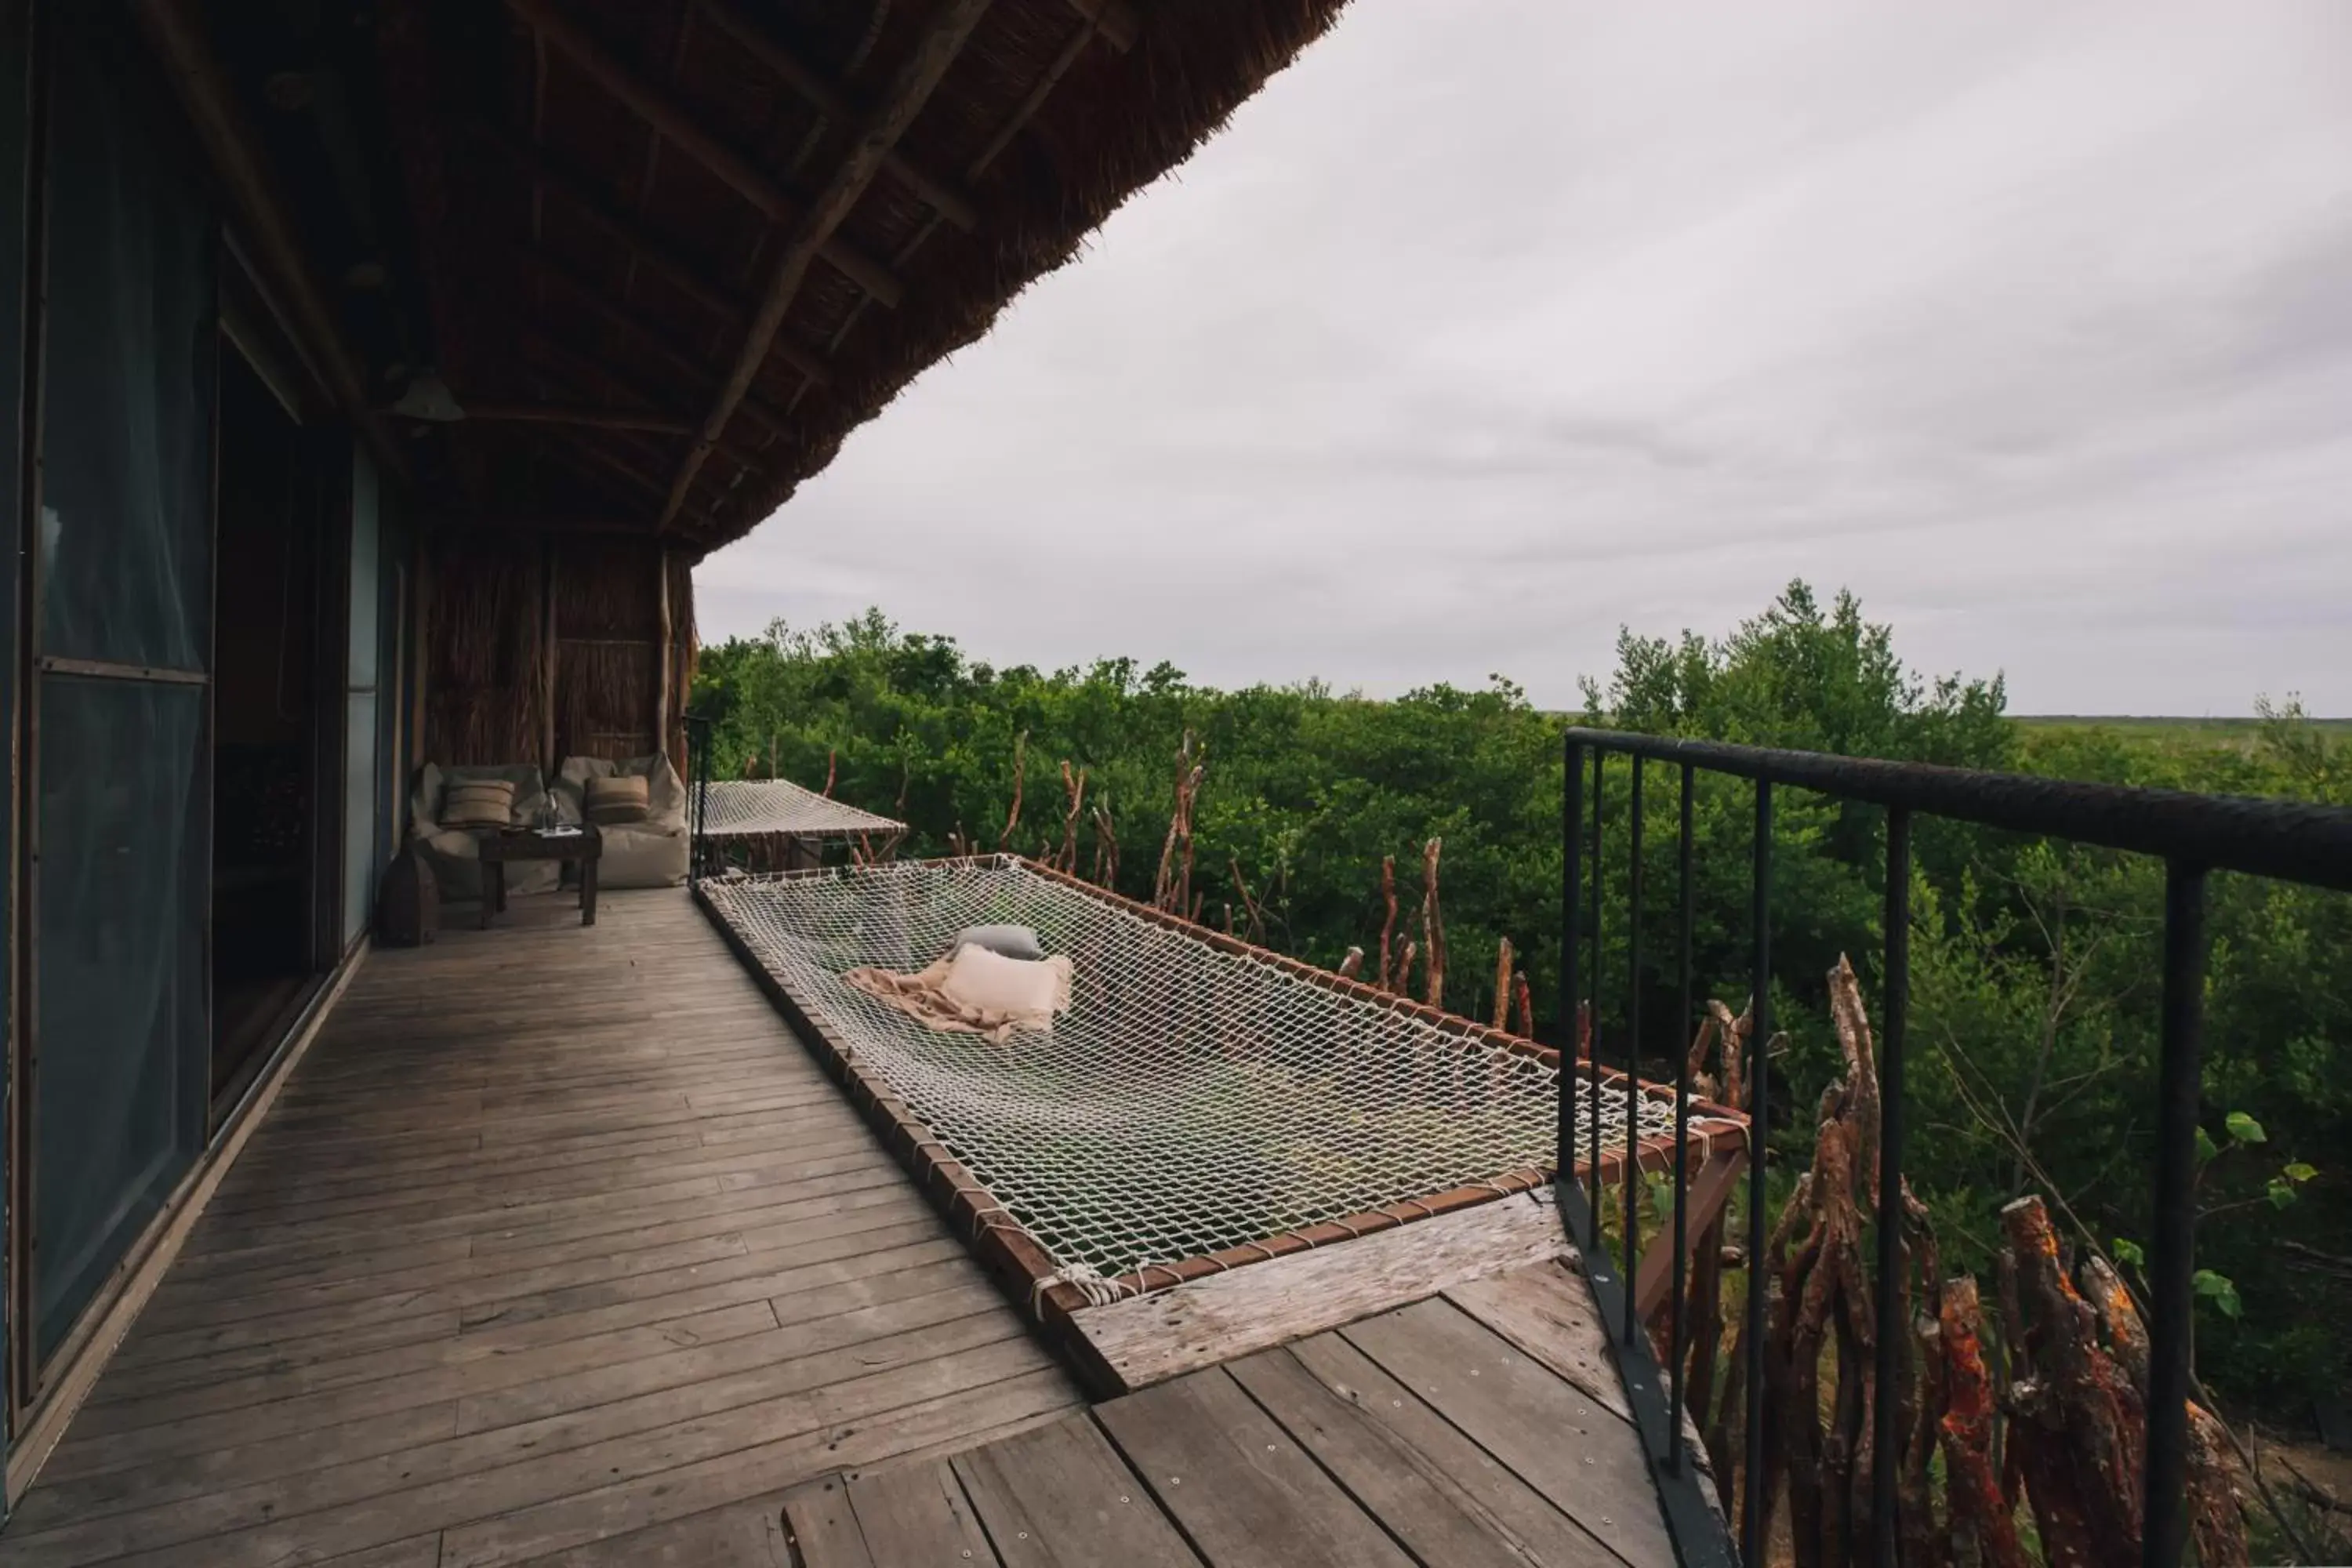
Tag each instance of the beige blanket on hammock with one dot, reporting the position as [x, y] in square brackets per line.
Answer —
[943, 998]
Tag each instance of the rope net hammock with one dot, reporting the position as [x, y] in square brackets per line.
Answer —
[733, 808]
[1199, 1100]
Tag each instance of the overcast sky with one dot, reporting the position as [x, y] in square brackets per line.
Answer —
[1489, 326]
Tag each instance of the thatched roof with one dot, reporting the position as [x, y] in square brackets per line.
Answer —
[643, 223]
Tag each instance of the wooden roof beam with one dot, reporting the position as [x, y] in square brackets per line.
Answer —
[578, 416]
[658, 109]
[651, 250]
[547, 359]
[657, 340]
[524, 523]
[1035, 98]
[942, 39]
[583, 455]
[1115, 19]
[622, 461]
[834, 105]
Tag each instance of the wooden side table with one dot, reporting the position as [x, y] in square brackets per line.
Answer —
[584, 849]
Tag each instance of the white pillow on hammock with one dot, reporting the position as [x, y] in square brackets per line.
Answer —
[991, 982]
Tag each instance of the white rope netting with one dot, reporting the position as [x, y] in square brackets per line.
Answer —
[736, 807]
[1191, 1100]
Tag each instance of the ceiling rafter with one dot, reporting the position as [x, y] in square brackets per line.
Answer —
[599, 455]
[529, 522]
[836, 105]
[657, 340]
[1115, 18]
[935, 50]
[1031, 102]
[588, 482]
[1035, 99]
[682, 39]
[581, 415]
[658, 108]
[651, 250]
[547, 358]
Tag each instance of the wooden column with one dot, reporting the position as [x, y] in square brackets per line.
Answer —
[420, 628]
[662, 657]
[549, 761]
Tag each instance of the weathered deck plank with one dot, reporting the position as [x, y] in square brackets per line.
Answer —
[1547, 1312]
[1445, 1444]
[1551, 1433]
[562, 1251]
[1060, 1497]
[1431, 1488]
[824, 1526]
[1221, 1317]
[1241, 1487]
[558, 1243]
[917, 1513]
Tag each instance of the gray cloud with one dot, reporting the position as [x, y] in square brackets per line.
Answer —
[1491, 326]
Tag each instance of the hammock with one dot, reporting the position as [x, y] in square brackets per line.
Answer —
[743, 808]
[1198, 1097]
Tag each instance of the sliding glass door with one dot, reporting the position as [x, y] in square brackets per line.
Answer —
[118, 878]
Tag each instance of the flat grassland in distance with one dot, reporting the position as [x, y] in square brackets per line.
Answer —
[2233, 734]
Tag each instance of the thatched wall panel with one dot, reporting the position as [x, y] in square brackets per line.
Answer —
[605, 697]
[485, 650]
[607, 588]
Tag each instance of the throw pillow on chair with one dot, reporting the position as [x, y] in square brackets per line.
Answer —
[618, 798]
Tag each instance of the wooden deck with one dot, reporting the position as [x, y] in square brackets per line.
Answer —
[557, 1240]
[1483, 1426]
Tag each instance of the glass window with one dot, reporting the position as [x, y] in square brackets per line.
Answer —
[126, 486]
[123, 1018]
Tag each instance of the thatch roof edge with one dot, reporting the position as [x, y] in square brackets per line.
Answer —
[1194, 63]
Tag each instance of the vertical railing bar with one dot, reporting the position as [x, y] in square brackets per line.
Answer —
[1633, 1051]
[1751, 1513]
[1695, 1520]
[1592, 1063]
[1682, 1132]
[1892, 1351]
[2172, 1257]
[1571, 877]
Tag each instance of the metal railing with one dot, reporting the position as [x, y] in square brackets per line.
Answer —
[2192, 834]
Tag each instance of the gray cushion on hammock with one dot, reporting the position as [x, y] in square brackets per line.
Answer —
[1011, 941]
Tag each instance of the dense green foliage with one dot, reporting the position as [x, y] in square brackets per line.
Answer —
[2035, 1005]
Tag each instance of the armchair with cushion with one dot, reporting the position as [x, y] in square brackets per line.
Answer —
[646, 843]
[445, 797]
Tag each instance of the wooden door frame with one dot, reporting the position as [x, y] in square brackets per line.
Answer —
[308, 512]
[21, 1372]
[333, 461]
